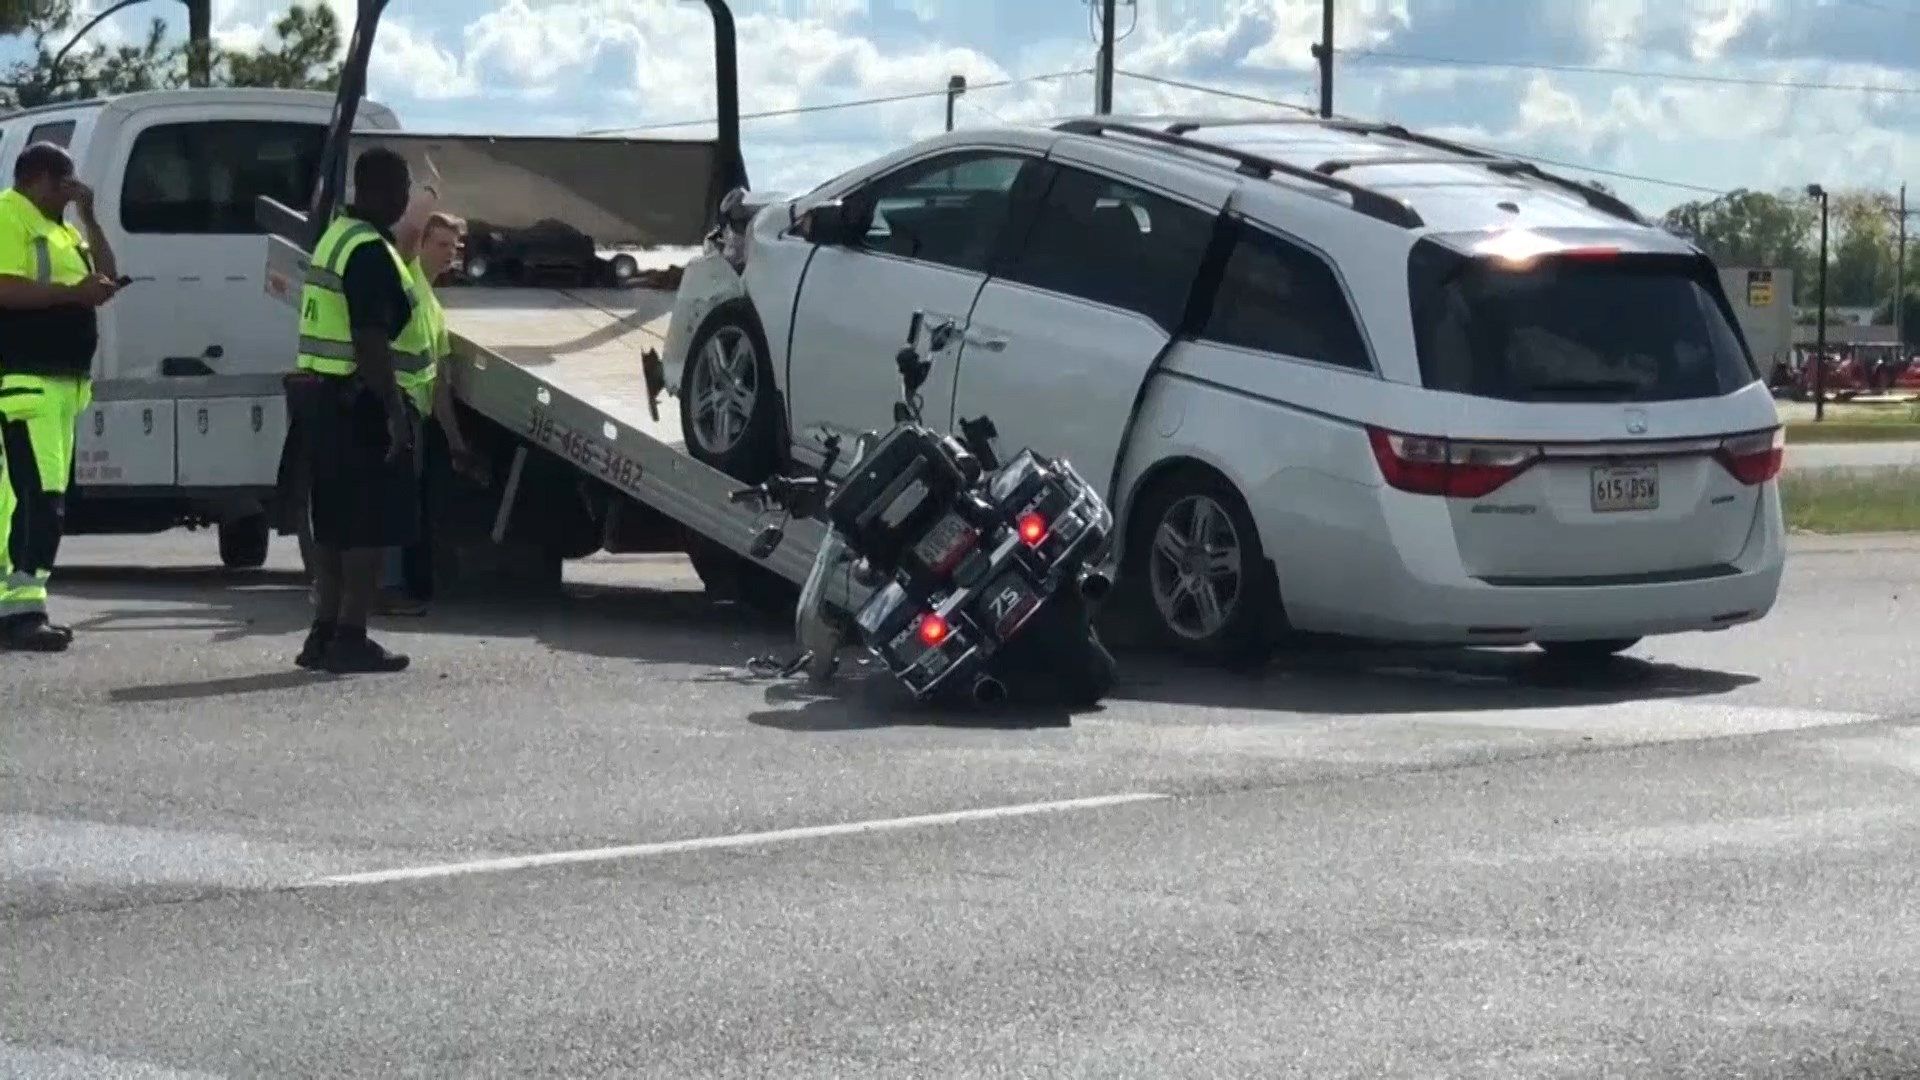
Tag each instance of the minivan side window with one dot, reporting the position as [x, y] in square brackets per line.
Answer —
[1277, 297]
[948, 210]
[1113, 243]
[59, 133]
[203, 177]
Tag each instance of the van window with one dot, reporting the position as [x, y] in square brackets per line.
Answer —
[203, 177]
[1113, 243]
[948, 210]
[1276, 297]
[59, 133]
[1590, 329]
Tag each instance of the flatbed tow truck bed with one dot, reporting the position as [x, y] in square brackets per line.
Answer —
[561, 368]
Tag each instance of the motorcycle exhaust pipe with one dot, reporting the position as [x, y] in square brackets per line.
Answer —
[1095, 585]
[988, 690]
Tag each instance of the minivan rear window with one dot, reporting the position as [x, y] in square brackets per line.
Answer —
[1619, 327]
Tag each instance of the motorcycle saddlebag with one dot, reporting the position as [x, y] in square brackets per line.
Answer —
[899, 490]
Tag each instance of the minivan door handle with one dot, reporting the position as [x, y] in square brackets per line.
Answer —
[989, 342]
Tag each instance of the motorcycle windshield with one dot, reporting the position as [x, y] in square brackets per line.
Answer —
[623, 193]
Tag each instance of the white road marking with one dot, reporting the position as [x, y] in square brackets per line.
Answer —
[62, 1063]
[709, 843]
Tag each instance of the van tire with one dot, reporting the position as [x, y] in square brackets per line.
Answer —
[1237, 627]
[732, 341]
[244, 542]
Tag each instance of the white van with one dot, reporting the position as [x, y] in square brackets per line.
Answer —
[188, 420]
[1337, 376]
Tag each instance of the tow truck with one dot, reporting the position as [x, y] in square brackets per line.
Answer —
[560, 385]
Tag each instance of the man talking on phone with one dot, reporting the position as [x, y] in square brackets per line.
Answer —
[52, 283]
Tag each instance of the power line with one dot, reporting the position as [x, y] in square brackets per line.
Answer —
[1216, 91]
[830, 106]
[1630, 73]
[1535, 158]
[1870, 5]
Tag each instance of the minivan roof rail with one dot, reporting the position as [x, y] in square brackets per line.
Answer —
[1506, 166]
[1367, 201]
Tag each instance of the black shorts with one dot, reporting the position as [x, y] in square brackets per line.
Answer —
[356, 498]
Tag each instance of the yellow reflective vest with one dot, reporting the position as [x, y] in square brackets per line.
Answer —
[326, 330]
[55, 341]
[429, 324]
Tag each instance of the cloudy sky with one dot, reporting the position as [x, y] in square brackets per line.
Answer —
[1700, 95]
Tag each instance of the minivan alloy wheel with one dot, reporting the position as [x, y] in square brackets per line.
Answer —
[726, 384]
[1196, 567]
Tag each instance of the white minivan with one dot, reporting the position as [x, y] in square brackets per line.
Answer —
[188, 419]
[1335, 375]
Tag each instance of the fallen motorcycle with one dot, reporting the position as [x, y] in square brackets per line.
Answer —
[980, 572]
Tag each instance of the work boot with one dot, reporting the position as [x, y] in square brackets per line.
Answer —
[313, 652]
[353, 653]
[33, 633]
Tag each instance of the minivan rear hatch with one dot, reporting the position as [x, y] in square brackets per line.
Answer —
[1603, 421]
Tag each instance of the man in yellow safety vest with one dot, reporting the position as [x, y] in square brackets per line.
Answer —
[52, 280]
[433, 243]
[351, 423]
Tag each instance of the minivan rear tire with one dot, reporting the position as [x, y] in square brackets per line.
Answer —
[1587, 652]
[1243, 635]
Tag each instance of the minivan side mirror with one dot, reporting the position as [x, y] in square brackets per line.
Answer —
[832, 223]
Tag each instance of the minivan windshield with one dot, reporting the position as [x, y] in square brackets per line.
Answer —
[1615, 328]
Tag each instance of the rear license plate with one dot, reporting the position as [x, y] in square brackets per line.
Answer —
[1006, 604]
[1625, 487]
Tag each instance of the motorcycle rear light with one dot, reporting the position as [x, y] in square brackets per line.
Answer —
[1032, 528]
[1754, 459]
[932, 629]
[1453, 468]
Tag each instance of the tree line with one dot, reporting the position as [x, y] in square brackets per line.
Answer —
[1755, 228]
[302, 54]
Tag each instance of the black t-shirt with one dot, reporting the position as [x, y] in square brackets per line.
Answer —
[376, 297]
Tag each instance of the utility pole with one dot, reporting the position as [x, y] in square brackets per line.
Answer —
[1323, 52]
[1103, 74]
[1900, 285]
[199, 42]
[956, 86]
[1820, 332]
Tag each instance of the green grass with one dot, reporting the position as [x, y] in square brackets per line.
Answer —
[1847, 423]
[1884, 500]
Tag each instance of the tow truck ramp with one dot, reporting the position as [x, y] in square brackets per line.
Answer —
[562, 370]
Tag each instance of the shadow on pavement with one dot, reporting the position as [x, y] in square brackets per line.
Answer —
[233, 604]
[681, 626]
[869, 700]
[1361, 679]
[210, 688]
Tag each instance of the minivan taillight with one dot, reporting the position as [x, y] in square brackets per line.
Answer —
[1754, 459]
[1455, 468]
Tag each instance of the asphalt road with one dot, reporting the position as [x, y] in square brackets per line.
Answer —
[1699, 861]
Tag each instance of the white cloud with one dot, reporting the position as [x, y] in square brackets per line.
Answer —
[572, 65]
